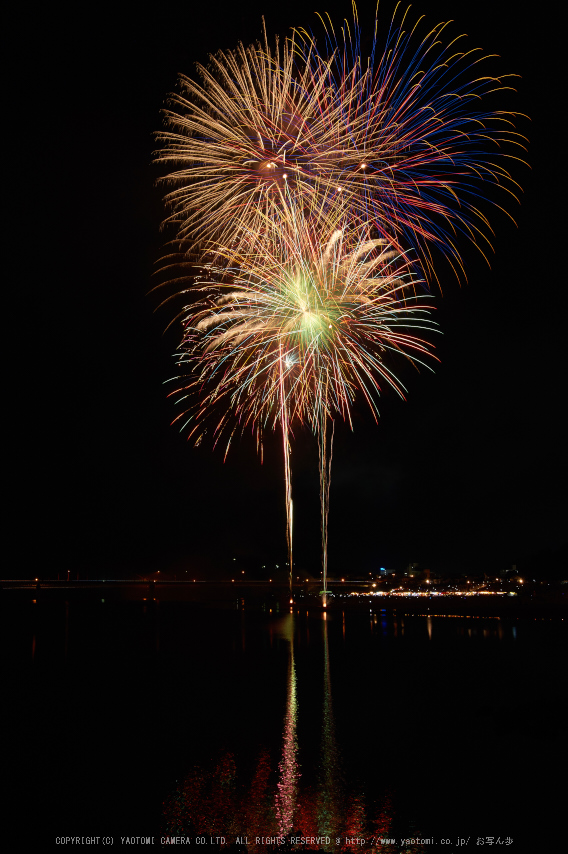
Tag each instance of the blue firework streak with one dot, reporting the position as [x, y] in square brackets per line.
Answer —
[427, 154]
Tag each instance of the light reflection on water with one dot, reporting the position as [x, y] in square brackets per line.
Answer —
[274, 800]
[287, 788]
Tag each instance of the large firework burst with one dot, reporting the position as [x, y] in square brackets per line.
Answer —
[294, 326]
[402, 135]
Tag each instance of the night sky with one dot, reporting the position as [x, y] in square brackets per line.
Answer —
[467, 475]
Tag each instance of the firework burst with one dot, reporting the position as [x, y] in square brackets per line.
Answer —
[402, 136]
[293, 327]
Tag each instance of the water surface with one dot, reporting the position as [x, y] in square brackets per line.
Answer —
[133, 718]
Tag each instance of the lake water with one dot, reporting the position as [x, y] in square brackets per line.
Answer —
[137, 719]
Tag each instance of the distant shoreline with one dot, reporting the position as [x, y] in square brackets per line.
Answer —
[261, 595]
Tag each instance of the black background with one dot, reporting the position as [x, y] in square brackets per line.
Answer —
[467, 475]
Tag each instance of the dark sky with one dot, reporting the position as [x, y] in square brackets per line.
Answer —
[469, 473]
